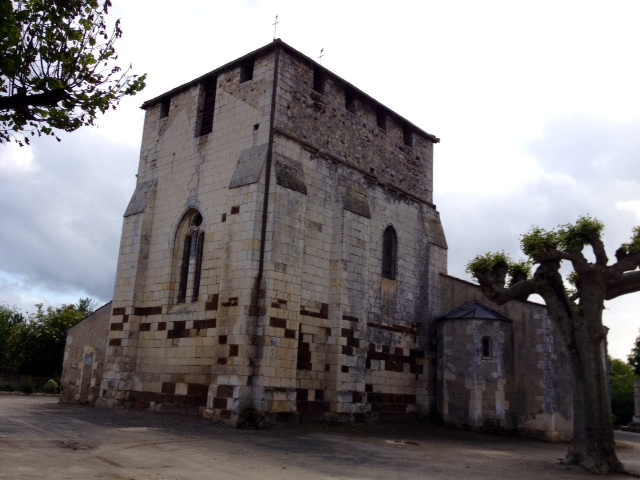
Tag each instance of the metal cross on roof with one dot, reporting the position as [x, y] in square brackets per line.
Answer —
[275, 27]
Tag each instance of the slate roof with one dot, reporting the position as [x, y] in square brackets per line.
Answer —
[474, 311]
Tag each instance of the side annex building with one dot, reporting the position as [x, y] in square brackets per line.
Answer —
[282, 259]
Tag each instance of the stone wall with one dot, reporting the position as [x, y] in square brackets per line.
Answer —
[84, 356]
[530, 378]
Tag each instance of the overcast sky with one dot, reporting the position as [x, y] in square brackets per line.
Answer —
[537, 105]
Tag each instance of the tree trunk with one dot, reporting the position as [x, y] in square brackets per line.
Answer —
[592, 445]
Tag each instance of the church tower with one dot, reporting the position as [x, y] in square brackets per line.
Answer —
[281, 254]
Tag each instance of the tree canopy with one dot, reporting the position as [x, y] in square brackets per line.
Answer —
[575, 306]
[622, 382]
[57, 68]
[33, 344]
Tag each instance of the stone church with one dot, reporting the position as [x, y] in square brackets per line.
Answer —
[282, 260]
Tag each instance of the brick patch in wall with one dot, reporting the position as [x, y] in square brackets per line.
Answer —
[119, 311]
[306, 406]
[279, 303]
[389, 402]
[323, 313]
[232, 302]
[202, 324]
[349, 334]
[196, 397]
[116, 327]
[396, 328]
[115, 342]
[277, 322]
[145, 327]
[145, 311]
[212, 303]
[235, 209]
[394, 362]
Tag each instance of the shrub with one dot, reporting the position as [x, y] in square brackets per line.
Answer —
[50, 387]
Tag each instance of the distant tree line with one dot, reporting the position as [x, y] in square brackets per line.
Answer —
[33, 343]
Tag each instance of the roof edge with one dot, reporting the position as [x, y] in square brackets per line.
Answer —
[270, 46]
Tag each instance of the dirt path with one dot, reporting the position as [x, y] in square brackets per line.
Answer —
[40, 438]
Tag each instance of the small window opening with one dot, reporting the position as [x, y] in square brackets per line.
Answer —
[184, 270]
[208, 107]
[318, 80]
[389, 253]
[246, 70]
[486, 347]
[256, 127]
[407, 135]
[164, 107]
[350, 100]
[381, 118]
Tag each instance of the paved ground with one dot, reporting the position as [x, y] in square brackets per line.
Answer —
[40, 438]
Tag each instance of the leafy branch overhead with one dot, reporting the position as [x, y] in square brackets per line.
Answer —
[547, 249]
[58, 66]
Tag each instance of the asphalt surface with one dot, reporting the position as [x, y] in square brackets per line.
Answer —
[40, 438]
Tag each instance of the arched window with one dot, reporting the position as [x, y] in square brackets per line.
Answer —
[389, 253]
[188, 252]
[485, 345]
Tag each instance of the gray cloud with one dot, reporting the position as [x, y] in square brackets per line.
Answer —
[62, 216]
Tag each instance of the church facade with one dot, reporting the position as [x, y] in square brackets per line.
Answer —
[282, 259]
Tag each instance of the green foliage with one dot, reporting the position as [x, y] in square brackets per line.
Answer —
[27, 387]
[622, 390]
[57, 68]
[634, 356]
[35, 346]
[9, 318]
[51, 386]
[519, 271]
[634, 245]
[538, 241]
[573, 237]
[487, 263]
[492, 262]
[570, 237]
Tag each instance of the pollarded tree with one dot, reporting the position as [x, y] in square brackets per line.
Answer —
[57, 66]
[576, 311]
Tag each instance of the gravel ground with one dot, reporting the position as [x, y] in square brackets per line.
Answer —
[40, 438]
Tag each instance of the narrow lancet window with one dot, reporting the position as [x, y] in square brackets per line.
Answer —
[184, 270]
[198, 268]
[486, 348]
[389, 253]
[208, 106]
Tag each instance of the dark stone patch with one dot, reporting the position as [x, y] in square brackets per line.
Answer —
[277, 322]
